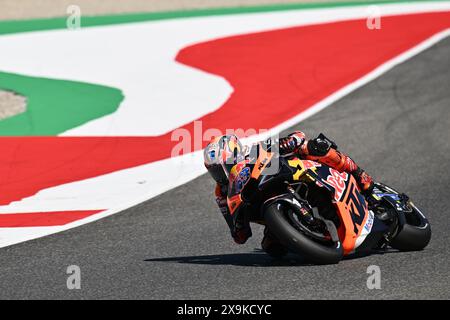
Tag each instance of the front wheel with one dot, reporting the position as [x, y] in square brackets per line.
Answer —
[277, 220]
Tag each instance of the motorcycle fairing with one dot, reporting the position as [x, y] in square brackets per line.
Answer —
[356, 220]
[351, 206]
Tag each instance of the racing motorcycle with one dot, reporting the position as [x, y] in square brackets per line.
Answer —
[320, 213]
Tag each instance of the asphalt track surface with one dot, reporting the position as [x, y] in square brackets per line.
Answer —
[177, 246]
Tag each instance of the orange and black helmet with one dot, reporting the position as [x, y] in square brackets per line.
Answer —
[221, 154]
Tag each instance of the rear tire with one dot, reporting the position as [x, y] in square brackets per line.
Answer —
[413, 237]
[297, 242]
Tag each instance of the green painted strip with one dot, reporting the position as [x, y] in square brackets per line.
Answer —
[54, 106]
[16, 26]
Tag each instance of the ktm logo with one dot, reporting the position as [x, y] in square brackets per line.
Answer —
[263, 163]
[357, 207]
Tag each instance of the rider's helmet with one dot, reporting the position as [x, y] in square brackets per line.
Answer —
[220, 156]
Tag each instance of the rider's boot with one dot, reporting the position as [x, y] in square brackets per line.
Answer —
[366, 185]
[365, 181]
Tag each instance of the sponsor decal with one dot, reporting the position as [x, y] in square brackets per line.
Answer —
[357, 206]
[337, 180]
[392, 195]
[234, 172]
[308, 164]
[263, 163]
[297, 164]
[242, 179]
[369, 223]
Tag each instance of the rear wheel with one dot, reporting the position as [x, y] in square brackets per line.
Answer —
[415, 234]
[315, 246]
[416, 231]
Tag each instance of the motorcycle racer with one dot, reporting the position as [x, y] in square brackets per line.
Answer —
[220, 150]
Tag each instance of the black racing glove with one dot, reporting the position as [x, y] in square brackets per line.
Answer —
[241, 233]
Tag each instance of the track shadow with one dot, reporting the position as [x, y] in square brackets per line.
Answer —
[253, 259]
[370, 253]
[257, 258]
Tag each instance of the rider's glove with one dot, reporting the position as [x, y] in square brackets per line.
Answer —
[241, 233]
[292, 143]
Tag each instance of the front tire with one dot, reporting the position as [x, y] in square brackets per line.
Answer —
[297, 242]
